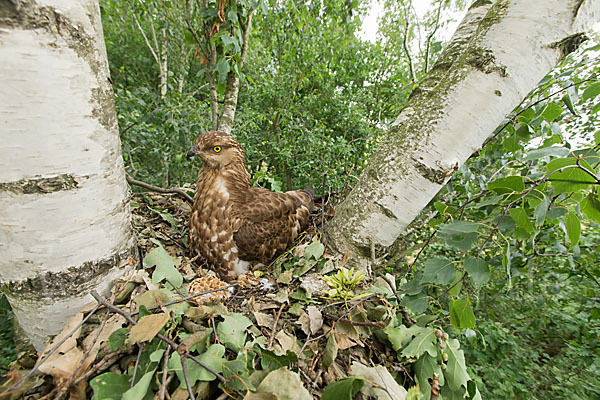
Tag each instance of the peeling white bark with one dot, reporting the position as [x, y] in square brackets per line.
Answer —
[57, 118]
[501, 50]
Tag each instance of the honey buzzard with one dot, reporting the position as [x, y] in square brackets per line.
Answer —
[233, 225]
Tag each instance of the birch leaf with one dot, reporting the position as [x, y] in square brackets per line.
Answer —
[147, 328]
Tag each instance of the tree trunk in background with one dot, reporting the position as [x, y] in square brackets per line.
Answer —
[233, 83]
[499, 53]
[64, 209]
[164, 69]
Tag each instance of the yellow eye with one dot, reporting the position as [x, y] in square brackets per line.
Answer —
[217, 149]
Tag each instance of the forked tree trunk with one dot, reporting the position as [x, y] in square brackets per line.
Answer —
[500, 51]
[64, 210]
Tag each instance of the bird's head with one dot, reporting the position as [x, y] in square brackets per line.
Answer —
[217, 149]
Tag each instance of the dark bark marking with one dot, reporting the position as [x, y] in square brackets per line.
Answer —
[41, 185]
[71, 282]
[569, 44]
[437, 176]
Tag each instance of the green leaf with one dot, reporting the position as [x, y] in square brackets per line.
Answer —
[213, 357]
[512, 143]
[232, 330]
[110, 386]
[229, 41]
[510, 184]
[459, 227]
[416, 303]
[547, 151]
[519, 215]
[314, 250]
[456, 371]
[424, 369]
[439, 270]
[398, 336]
[223, 69]
[423, 342]
[569, 103]
[331, 351]
[592, 91]
[456, 285]
[138, 391]
[116, 340]
[461, 314]
[270, 361]
[552, 112]
[443, 208]
[478, 270]
[524, 132]
[541, 210]
[462, 242]
[343, 389]
[590, 206]
[238, 370]
[165, 267]
[570, 179]
[573, 226]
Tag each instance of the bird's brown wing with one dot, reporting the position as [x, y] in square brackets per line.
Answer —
[269, 224]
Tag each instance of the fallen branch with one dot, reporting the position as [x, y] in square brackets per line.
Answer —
[157, 189]
[337, 318]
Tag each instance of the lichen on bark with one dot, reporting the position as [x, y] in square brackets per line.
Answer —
[41, 185]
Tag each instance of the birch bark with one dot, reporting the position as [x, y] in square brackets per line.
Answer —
[500, 51]
[64, 208]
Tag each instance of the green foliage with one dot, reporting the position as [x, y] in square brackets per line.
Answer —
[343, 282]
[8, 352]
[344, 389]
[511, 261]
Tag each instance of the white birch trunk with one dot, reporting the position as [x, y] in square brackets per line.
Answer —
[501, 50]
[164, 68]
[64, 209]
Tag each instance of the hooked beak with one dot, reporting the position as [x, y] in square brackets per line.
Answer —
[193, 151]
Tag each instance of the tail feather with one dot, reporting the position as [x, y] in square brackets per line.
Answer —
[304, 197]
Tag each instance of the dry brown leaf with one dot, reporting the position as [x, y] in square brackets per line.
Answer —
[304, 322]
[315, 318]
[151, 298]
[381, 376]
[147, 328]
[288, 342]
[263, 319]
[344, 342]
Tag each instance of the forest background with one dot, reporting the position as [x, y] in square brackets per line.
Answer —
[316, 96]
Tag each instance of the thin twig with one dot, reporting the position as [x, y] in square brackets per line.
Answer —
[187, 298]
[137, 363]
[275, 326]
[105, 363]
[157, 189]
[337, 318]
[384, 387]
[186, 378]
[163, 386]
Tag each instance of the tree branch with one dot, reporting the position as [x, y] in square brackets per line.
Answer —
[157, 189]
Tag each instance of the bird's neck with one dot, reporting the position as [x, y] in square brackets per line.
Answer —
[235, 176]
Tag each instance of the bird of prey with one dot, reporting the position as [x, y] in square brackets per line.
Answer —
[233, 225]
